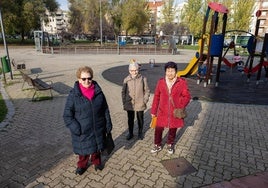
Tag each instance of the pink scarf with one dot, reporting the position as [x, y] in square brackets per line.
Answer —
[87, 92]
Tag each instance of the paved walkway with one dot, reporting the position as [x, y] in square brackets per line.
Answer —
[224, 142]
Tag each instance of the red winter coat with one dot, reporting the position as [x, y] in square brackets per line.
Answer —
[163, 108]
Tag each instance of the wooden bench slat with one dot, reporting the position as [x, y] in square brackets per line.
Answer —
[41, 84]
[37, 83]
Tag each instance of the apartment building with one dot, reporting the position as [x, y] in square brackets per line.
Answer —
[57, 22]
[155, 16]
[261, 5]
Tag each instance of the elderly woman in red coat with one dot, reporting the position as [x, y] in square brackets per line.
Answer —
[171, 92]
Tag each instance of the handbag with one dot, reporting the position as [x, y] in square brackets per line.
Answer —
[153, 122]
[108, 144]
[178, 112]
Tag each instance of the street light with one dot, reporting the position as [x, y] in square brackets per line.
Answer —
[5, 45]
[100, 24]
[161, 37]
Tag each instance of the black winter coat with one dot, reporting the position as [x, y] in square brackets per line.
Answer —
[88, 120]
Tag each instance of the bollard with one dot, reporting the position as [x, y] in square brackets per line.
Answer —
[152, 63]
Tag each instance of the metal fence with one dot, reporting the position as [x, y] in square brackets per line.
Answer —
[141, 50]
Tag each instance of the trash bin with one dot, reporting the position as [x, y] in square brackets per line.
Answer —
[5, 64]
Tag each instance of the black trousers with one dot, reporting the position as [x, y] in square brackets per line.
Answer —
[131, 117]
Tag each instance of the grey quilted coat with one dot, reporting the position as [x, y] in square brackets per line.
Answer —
[88, 120]
[135, 93]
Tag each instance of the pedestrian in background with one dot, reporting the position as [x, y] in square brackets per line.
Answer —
[87, 115]
[135, 95]
[171, 92]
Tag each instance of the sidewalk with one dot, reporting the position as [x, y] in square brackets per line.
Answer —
[223, 142]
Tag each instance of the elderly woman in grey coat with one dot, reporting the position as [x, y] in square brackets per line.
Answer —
[135, 95]
[87, 115]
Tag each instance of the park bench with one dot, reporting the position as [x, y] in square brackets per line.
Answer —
[18, 66]
[37, 84]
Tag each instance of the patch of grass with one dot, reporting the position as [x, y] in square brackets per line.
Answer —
[18, 42]
[188, 47]
[3, 109]
[42, 98]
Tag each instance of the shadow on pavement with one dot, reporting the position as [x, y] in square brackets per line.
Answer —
[233, 86]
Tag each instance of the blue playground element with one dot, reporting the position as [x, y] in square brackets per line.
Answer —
[197, 55]
[250, 44]
[202, 70]
[216, 45]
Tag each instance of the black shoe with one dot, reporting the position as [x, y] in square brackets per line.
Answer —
[141, 136]
[80, 171]
[129, 136]
[98, 167]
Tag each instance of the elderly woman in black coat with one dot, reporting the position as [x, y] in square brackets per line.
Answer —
[87, 116]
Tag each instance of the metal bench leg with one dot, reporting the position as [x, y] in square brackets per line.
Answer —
[51, 94]
[33, 95]
[22, 85]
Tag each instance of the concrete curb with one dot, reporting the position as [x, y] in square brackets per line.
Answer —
[9, 105]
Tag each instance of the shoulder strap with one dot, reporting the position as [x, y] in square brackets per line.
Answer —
[171, 100]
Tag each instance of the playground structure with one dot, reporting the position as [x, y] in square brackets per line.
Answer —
[193, 65]
[252, 44]
[249, 69]
[215, 47]
[256, 47]
[237, 60]
[214, 43]
[243, 66]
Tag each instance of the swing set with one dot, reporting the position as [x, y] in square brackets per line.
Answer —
[237, 59]
[215, 41]
[216, 45]
[252, 45]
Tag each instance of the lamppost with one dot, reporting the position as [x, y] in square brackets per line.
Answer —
[100, 25]
[161, 37]
[6, 48]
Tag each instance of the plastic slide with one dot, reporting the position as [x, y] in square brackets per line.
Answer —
[191, 68]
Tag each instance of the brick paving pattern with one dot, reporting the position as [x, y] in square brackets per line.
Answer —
[224, 142]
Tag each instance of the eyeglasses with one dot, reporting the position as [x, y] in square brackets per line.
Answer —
[133, 70]
[89, 79]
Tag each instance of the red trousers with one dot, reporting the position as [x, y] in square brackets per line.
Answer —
[158, 135]
[83, 160]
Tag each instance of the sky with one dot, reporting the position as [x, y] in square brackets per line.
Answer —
[63, 4]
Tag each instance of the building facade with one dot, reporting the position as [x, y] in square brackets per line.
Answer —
[57, 23]
[261, 5]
